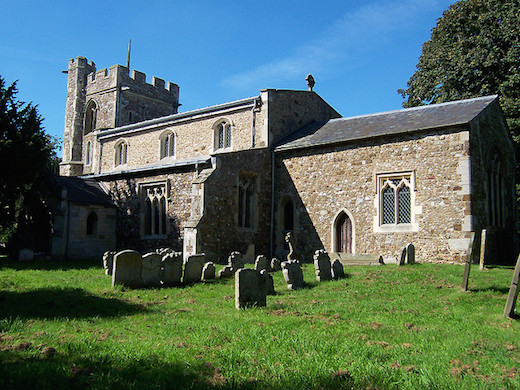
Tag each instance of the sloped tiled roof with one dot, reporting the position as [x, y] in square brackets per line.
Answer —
[386, 123]
[81, 190]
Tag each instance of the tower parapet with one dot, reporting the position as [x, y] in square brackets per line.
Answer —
[108, 98]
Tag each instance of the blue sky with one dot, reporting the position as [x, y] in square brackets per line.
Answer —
[359, 52]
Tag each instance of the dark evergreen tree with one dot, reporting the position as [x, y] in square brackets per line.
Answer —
[26, 157]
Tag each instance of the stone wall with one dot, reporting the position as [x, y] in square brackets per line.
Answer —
[323, 182]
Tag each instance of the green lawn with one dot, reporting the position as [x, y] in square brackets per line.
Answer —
[383, 327]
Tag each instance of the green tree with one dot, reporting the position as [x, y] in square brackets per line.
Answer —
[474, 50]
[26, 156]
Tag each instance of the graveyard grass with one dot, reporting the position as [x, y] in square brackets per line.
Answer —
[388, 327]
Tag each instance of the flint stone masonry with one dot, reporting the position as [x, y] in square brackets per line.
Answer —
[108, 262]
[261, 263]
[208, 272]
[127, 269]
[225, 272]
[293, 274]
[172, 269]
[249, 288]
[276, 265]
[338, 271]
[322, 265]
[151, 272]
[193, 268]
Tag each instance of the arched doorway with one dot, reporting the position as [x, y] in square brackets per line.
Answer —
[343, 237]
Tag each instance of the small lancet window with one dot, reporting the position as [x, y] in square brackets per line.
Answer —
[167, 145]
[223, 132]
[92, 222]
[121, 151]
[90, 117]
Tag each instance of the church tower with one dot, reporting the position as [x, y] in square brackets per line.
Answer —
[105, 99]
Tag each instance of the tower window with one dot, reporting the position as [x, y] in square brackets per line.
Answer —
[90, 117]
[88, 154]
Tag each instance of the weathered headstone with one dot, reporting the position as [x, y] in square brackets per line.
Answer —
[276, 265]
[482, 257]
[261, 263]
[225, 272]
[193, 268]
[269, 282]
[293, 274]
[236, 261]
[208, 272]
[25, 254]
[410, 254]
[249, 288]
[513, 292]
[469, 260]
[172, 269]
[127, 269]
[338, 271]
[402, 261]
[108, 262]
[292, 255]
[151, 272]
[322, 265]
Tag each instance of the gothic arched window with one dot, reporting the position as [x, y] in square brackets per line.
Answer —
[90, 117]
[121, 152]
[167, 144]
[222, 134]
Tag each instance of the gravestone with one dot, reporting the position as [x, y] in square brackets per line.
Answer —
[208, 272]
[410, 254]
[25, 254]
[269, 282]
[482, 259]
[261, 263]
[338, 271]
[172, 269]
[467, 266]
[513, 292]
[276, 265]
[322, 265]
[292, 255]
[127, 269]
[236, 261]
[225, 272]
[402, 260]
[249, 288]
[193, 268]
[108, 262]
[151, 272]
[293, 274]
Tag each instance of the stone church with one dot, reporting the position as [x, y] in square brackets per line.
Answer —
[138, 174]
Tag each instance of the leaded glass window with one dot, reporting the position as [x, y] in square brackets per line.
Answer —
[223, 133]
[395, 200]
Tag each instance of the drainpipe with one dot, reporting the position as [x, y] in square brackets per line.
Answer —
[272, 207]
[253, 124]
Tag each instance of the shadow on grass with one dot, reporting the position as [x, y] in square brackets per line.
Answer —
[56, 302]
[499, 290]
[51, 265]
[66, 370]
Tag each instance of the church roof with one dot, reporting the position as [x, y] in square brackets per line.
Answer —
[389, 123]
[81, 190]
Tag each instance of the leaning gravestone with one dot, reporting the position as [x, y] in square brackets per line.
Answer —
[236, 261]
[261, 263]
[172, 269]
[293, 274]
[108, 262]
[225, 272]
[513, 292]
[276, 265]
[127, 269]
[193, 268]
[208, 272]
[469, 260]
[402, 261]
[337, 270]
[269, 282]
[249, 288]
[322, 265]
[151, 272]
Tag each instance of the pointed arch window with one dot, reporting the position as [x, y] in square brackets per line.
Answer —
[88, 153]
[90, 117]
[154, 209]
[167, 144]
[121, 153]
[246, 200]
[222, 134]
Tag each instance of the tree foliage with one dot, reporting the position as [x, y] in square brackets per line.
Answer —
[26, 154]
[474, 50]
